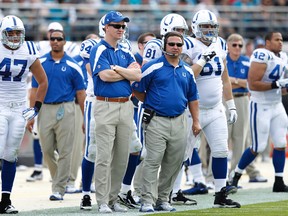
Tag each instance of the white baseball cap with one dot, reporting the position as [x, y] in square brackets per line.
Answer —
[55, 26]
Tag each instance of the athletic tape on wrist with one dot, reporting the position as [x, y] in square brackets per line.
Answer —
[201, 62]
[231, 104]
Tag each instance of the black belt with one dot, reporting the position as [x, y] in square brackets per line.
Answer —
[156, 114]
[239, 94]
[54, 103]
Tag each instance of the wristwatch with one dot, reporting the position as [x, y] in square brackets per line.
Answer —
[114, 68]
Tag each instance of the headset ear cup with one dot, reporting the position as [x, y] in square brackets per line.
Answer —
[163, 46]
[164, 41]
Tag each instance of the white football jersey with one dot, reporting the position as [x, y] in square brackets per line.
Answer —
[209, 82]
[71, 48]
[152, 50]
[275, 69]
[14, 68]
[90, 86]
[125, 44]
[85, 49]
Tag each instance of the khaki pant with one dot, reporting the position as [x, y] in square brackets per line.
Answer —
[165, 142]
[114, 127]
[57, 135]
[77, 153]
[137, 180]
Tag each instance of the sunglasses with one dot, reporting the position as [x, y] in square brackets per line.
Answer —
[239, 45]
[56, 38]
[117, 26]
[173, 44]
[144, 42]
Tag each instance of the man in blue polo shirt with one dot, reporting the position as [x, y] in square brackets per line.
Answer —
[167, 87]
[113, 69]
[56, 123]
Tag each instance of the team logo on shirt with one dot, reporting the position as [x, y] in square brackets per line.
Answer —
[63, 69]
[184, 74]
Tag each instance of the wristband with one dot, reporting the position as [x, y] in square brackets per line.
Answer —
[201, 62]
[274, 85]
[230, 104]
[37, 106]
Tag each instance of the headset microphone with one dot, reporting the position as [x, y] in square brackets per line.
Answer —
[170, 54]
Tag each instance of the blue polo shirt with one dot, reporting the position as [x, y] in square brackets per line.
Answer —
[168, 89]
[64, 79]
[102, 56]
[238, 69]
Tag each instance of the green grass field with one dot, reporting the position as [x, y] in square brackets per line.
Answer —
[261, 209]
[255, 202]
[279, 208]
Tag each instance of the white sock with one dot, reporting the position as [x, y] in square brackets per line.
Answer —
[125, 188]
[86, 193]
[238, 170]
[38, 167]
[197, 173]
[219, 183]
[279, 174]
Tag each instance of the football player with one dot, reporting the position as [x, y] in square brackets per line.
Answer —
[77, 153]
[211, 81]
[267, 81]
[88, 161]
[17, 58]
[171, 22]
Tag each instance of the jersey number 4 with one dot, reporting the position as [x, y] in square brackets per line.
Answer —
[7, 74]
[275, 72]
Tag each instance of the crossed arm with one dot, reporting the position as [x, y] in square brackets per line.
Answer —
[117, 73]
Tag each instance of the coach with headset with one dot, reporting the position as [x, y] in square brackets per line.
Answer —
[167, 87]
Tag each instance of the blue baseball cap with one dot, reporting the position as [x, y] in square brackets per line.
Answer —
[115, 16]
